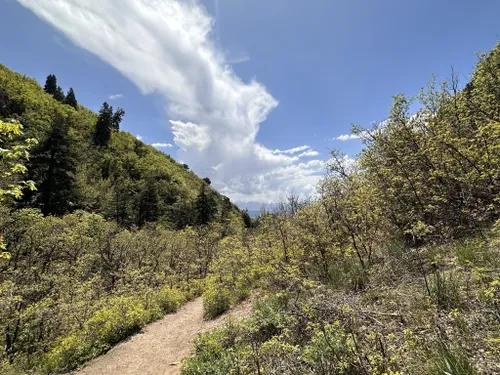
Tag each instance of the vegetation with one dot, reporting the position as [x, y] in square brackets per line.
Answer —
[101, 233]
[392, 269]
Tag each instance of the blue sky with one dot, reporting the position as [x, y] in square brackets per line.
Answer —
[239, 88]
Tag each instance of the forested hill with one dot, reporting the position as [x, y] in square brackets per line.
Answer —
[98, 168]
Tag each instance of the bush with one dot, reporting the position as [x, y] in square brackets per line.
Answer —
[214, 354]
[122, 317]
[216, 299]
[170, 299]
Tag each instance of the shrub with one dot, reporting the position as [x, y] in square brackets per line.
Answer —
[215, 354]
[216, 299]
[170, 299]
[121, 317]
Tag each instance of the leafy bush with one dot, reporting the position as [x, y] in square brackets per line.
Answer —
[170, 299]
[216, 299]
[120, 318]
[215, 354]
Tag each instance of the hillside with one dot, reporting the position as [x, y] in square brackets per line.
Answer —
[127, 171]
[100, 233]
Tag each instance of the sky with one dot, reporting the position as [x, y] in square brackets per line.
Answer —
[250, 93]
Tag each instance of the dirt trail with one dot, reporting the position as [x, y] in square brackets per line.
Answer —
[160, 347]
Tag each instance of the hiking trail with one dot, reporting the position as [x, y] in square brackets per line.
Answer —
[158, 349]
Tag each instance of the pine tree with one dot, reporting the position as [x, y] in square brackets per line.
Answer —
[117, 118]
[71, 99]
[106, 122]
[59, 95]
[51, 84]
[205, 206]
[247, 220]
[149, 203]
[52, 168]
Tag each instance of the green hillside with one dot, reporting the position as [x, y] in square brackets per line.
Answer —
[127, 171]
[100, 233]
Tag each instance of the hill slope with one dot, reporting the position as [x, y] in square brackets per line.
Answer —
[127, 173]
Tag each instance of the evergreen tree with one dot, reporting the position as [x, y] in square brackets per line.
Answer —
[117, 118]
[247, 220]
[205, 206]
[71, 99]
[52, 168]
[106, 122]
[149, 203]
[51, 84]
[59, 95]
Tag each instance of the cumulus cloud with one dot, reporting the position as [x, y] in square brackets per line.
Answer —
[115, 96]
[162, 145]
[167, 47]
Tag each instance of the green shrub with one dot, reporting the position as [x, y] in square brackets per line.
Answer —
[122, 317]
[170, 299]
[215, 354]
[216, 299]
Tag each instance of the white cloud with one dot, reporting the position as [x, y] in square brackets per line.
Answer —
[350, 137]
[139, 137]
[238, 60]
[115, 96]
[308, 154]
[166, 47]
[292, 150]
[161, 145]
[347, 137]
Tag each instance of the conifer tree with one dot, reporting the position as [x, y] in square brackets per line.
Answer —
[71, 99]
[205, 206]
[117, 118]
[51, 84]
[106, 122]
[149, 201]
[52, 168]
[59, 95]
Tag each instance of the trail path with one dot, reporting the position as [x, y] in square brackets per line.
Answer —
[160, 347]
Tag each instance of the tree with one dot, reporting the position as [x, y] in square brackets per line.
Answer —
[207, 180]
[106, 122]
[117, 118]
[51, 84]
[11, 166]
[71, 99]
[59, 95]
[149, 203]
[247, 220]
[9, 106]
[205, 205]
[53, 167]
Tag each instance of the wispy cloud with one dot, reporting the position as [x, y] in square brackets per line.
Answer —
[115, 96]
[162, 145]
[167, 48]
[139, 137]
[292, 151]
[308, 154]
[238, 60]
